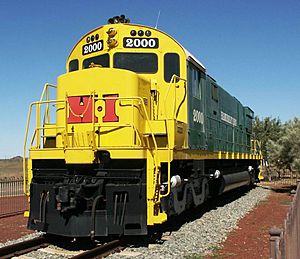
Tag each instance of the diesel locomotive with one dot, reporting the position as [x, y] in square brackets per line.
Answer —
[134, 132]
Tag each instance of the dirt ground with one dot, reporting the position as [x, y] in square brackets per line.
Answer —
[12, 204]
[251, 239]
[13, 228]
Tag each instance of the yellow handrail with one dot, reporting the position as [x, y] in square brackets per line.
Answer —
[175, 79]
[36, 132]
[35, 141]
[45, 89]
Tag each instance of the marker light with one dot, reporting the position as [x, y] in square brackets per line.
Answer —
[148, 33]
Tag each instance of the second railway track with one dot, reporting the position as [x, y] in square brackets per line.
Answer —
[28, 246]
[102, 250]
[23, 247]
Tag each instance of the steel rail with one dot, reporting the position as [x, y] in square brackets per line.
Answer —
[12, 214]
[102, 250]
[23, 247]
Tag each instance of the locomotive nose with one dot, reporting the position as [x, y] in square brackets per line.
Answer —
[114, 109]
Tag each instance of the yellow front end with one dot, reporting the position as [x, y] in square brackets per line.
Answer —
[108, 112]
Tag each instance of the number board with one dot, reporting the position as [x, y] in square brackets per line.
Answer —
[92, 47]
[144, 43]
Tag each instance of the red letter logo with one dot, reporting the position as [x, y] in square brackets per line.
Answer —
[80, 109]
[110, 108]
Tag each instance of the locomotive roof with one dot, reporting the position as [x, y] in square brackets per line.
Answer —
[192, 58]
[189, 55]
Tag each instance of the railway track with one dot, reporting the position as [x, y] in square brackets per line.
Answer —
[49, 245]
[28, 246]
[102, 250]
[23, 247]
[11, 214]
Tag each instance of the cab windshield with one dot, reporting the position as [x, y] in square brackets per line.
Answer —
[144, 63]
[101, 60]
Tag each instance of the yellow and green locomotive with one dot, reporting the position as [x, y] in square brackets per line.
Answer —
[135, 131]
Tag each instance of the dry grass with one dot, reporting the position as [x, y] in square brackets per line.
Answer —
[11, 167]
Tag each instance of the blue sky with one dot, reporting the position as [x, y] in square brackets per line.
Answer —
[252, 48]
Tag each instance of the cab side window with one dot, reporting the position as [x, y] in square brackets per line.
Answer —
[171, 66]
[194, 79]
[196, 84]
[215, 92]
[73, 65]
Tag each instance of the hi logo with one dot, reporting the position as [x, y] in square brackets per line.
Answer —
[81, 109]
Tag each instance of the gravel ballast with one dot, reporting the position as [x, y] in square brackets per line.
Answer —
[202, 235]
[198, 235]
[21, 239]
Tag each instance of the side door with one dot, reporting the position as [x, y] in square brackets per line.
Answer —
[196, 131]
[212, 114]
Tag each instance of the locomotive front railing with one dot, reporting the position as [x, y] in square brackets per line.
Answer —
[36, 137]
[135, 102]
[144, 132]
[45, 95]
